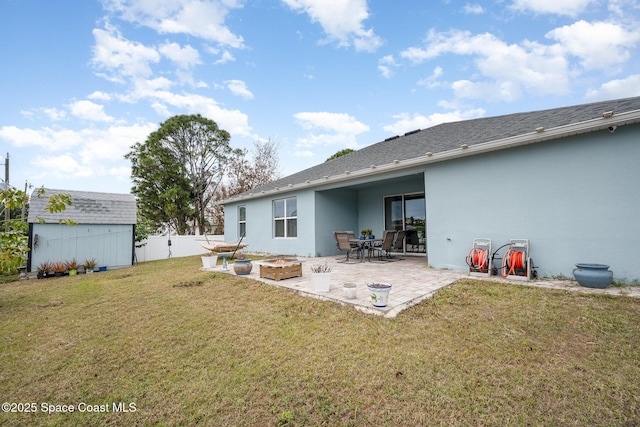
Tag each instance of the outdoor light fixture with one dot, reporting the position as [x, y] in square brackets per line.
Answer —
[607, 114]
[540, 129]
[464, 146]
[429, 154]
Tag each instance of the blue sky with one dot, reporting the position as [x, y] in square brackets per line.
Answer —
[82, 81]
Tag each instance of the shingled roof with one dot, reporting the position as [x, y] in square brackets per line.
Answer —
[440, 142]
[86, 208]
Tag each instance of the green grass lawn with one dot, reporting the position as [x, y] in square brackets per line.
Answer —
[185, 347]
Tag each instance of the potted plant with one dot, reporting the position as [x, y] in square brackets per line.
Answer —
[379, 293]
[365, 232]
[242, 265]
[72, 267]
[89, 265]
[321, 276]
[43, 269]
[209, 261]
[58, 268]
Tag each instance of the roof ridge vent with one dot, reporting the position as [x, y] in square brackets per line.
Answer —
[391, 138]
[412, 132]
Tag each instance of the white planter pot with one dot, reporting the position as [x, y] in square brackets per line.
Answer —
[209, 261]
[321, 282]
[379, 293]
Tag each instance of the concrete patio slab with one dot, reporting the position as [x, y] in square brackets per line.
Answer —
[411, 278]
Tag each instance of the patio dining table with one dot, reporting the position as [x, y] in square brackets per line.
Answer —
[366, 244]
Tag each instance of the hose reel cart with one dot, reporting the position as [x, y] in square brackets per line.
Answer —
[516, 262]
[479, 258]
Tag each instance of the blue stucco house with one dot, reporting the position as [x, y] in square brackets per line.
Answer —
[567, 179]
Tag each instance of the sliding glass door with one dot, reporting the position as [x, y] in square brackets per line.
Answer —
[408, 212]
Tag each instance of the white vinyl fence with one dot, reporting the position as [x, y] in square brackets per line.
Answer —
[157, 247]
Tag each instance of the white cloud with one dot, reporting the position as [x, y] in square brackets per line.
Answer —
[563, 7]
[432, 80]
[473, 9]
[117, 57]
[328, 139]
[620, 88]
[110, 143]
[147, 87]
[506, 71]
[304, 153]
[238, 87]
[624, 8]
[86, 153]
[62, 166]
[54, 114]
[88, 110]
[335, 122]
[46, 138]
[599, 45]
[200, 18]
[233, 121]
[225, 57]
[100, 96]
[406, 122]
[386, 65]
[185, 57]
[329, 129]
[341, 20]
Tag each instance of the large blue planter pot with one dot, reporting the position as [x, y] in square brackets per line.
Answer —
[242, 267]
[593, 275]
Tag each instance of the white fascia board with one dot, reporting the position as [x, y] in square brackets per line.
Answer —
[536, 135]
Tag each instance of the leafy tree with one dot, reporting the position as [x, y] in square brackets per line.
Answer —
[144, 228]
[177, 170]
[245, 174]
[340, 154]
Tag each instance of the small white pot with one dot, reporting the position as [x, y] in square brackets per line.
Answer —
[350, 290]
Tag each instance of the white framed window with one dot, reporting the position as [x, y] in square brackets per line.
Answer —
[242, 220]
[285, 217]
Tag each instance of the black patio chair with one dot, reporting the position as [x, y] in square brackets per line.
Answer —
[398, 243]
[342, 241]
[384, 249]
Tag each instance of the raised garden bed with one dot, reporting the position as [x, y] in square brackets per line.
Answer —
[280, 268]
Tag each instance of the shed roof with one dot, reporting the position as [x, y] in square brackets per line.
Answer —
[86, 208]
[444, 141]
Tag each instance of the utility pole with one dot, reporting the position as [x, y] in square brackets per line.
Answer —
[24, 204]
[7, 212]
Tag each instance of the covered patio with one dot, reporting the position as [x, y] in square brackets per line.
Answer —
[412, 279]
